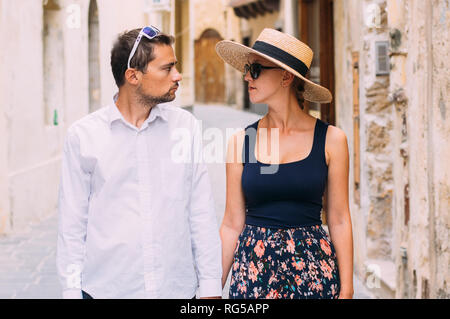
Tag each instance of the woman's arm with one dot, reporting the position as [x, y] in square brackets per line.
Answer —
[234, 217]
[338, 212]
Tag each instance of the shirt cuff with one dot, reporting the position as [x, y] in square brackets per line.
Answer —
[72, 294]
[210, 288]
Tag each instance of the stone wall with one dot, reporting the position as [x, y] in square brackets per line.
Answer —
[428, 77]
[401, 226]
[440, 36]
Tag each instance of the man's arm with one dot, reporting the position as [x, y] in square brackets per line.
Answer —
[73, 202]
[203, 223]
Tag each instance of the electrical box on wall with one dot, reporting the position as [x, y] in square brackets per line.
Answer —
[157, 5]
[382, 57]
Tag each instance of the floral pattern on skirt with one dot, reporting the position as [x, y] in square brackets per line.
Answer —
[284, 264]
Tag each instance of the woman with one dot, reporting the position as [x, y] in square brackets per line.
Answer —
[271, 232]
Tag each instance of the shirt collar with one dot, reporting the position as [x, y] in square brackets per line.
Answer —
[114, 113]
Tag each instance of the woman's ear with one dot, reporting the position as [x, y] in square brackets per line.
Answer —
[287, 79]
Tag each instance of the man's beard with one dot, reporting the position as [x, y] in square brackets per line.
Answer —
[150, 100]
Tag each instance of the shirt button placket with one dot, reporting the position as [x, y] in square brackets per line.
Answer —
[143, 165]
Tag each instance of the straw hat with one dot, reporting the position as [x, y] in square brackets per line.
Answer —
[282, 49]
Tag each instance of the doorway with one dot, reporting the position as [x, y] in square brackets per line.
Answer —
[316, 29]
[94, 58]
[209, 69]
[53, 63]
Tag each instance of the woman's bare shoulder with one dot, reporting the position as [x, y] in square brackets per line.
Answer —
[336, 135]
[235, 146]
[336, 143]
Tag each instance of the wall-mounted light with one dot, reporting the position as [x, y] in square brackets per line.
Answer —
[156, 5]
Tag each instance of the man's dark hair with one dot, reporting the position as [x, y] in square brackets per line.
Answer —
[144, 53]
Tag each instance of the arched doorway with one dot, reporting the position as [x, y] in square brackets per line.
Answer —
[209, 69]
[53, 63]
[94, 58]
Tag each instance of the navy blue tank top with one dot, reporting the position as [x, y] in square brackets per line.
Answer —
[286, 195]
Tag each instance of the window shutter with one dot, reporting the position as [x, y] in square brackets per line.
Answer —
[382, 57]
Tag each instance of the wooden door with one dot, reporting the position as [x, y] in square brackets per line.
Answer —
[327, 112]
[318, 15]
[209, 69]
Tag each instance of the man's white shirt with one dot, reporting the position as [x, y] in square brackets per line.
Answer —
[135, 221]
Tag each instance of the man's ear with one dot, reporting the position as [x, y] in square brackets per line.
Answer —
[132, 76]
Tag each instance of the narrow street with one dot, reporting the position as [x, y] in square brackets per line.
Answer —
[27, 260]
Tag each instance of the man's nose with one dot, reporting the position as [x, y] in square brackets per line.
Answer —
[177, 76]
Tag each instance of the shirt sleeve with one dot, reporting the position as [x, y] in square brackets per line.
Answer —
[73, 202]
[206, 243]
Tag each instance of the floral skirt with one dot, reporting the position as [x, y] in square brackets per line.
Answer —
[284, 264]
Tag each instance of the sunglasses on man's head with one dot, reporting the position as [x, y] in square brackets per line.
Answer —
[149, 33]
[255, 69]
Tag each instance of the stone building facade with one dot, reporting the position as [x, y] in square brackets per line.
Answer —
[390, 77]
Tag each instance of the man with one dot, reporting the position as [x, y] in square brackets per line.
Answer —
[134, 222]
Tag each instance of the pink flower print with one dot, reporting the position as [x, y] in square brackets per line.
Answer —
[273, 294]
[242, 287]
[259, 248]
[252, 272]
[290, 246]
[272, 278]
[298, 264]
[298, 280]
[312, 270]
[332, 264]
[255, 292]
[260, 266]
[325, 247]
[316, 285]
[333, 289]
[326, 269]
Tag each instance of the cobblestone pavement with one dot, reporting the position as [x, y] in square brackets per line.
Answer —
[27, 260]
[27, 263]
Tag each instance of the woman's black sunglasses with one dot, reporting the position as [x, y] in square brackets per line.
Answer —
[255, 69]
